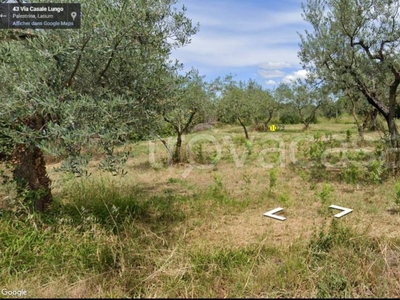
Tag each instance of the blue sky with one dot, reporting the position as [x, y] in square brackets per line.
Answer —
[254, 39]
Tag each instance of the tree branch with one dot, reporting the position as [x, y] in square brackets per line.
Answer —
[102, 73]
[189, 120]
[381, 48]
[383, 109]
[165, 145]
[366, 48]
[78, 61]
[170, 122]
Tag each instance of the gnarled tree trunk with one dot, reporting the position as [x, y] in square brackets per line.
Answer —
[393, 152]
[31, 176]
[177, 158]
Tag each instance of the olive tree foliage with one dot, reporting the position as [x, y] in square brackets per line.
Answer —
[234, 107]
[263, 105]
[355, 45]
[306, 96]
[185, 105]
[62, 88]
[364, 115]
[334, 108]
[355, 104]
[245, 103]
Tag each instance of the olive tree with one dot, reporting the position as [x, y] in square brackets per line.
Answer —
[305, 96]
[245, 103]
[354, 45]
[234, 106]
[183, 107]
[263, 105]
[61, 88]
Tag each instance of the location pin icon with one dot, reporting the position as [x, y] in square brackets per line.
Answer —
[73, 15]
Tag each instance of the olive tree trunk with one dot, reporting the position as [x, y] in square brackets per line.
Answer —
[30, 174]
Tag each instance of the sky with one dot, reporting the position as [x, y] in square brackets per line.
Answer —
[249, 39]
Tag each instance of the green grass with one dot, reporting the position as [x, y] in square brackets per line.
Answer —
[157, 233]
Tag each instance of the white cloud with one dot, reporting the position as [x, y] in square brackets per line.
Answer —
[244, 37]
[242, 34]
[300, 74]
[237, 50]
[271, 73]
[270, 82]
[242, 15]
[275, 65]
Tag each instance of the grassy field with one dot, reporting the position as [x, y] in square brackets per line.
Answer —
[197, 229]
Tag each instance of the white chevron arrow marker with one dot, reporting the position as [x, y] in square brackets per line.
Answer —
[271, 214]
[344, 212]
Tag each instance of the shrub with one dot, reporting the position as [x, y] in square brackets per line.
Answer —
[289, 118]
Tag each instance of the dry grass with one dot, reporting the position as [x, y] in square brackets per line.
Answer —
[198, 230]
